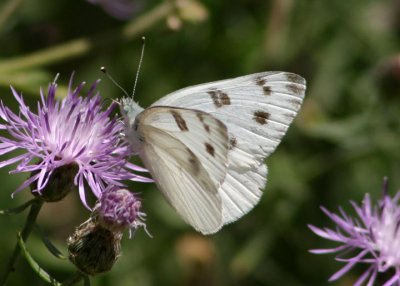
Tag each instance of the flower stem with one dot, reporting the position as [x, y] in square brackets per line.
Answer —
[82, 46]
[78, 276]
[30, 222]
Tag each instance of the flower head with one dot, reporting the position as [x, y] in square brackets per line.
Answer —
[374, 237]
[119, 209]
[67, 142]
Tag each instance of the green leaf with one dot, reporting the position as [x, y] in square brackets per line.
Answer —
[34, 265]
[17, 210]
[50, 246]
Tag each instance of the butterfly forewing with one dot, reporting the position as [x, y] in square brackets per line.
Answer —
[246, 104]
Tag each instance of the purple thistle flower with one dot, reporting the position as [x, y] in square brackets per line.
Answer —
[119, 209]
[71, 132]
[374, 237]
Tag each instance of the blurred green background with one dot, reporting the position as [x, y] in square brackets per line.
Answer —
[341, 145]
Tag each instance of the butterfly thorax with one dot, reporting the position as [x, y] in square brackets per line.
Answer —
[130, 110]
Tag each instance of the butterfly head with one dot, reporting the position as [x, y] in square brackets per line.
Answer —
[129, 110]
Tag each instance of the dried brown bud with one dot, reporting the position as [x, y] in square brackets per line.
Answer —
[94, 249]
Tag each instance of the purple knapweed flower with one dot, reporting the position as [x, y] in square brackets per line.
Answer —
[373, 236]
[120, 9]
[67, 142]
[119, 209]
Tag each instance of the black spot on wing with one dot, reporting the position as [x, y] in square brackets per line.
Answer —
[295, 89]
[232, 142]
[260, 81]
[194, 162]
[210, 149]
[201, 118]
[261, 117]
[214, 97]
[292, 77]
[219, 97]
[225, 100]
[179, 120]
[267, 90]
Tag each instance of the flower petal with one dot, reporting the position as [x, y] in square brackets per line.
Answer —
[346, 268]
[12, 160]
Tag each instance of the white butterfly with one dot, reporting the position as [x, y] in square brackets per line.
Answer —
[205, 145]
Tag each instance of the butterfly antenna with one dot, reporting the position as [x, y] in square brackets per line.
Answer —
[103, 70]
[140, 65]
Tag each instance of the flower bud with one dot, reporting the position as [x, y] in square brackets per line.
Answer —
[118, 210]
[60, 183]
[94, 249]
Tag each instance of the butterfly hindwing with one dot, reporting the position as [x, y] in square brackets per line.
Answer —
[186, 151]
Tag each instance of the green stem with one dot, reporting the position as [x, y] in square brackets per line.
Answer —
[82, 46]
[29, 224]
[7, 10]
[78, 276]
